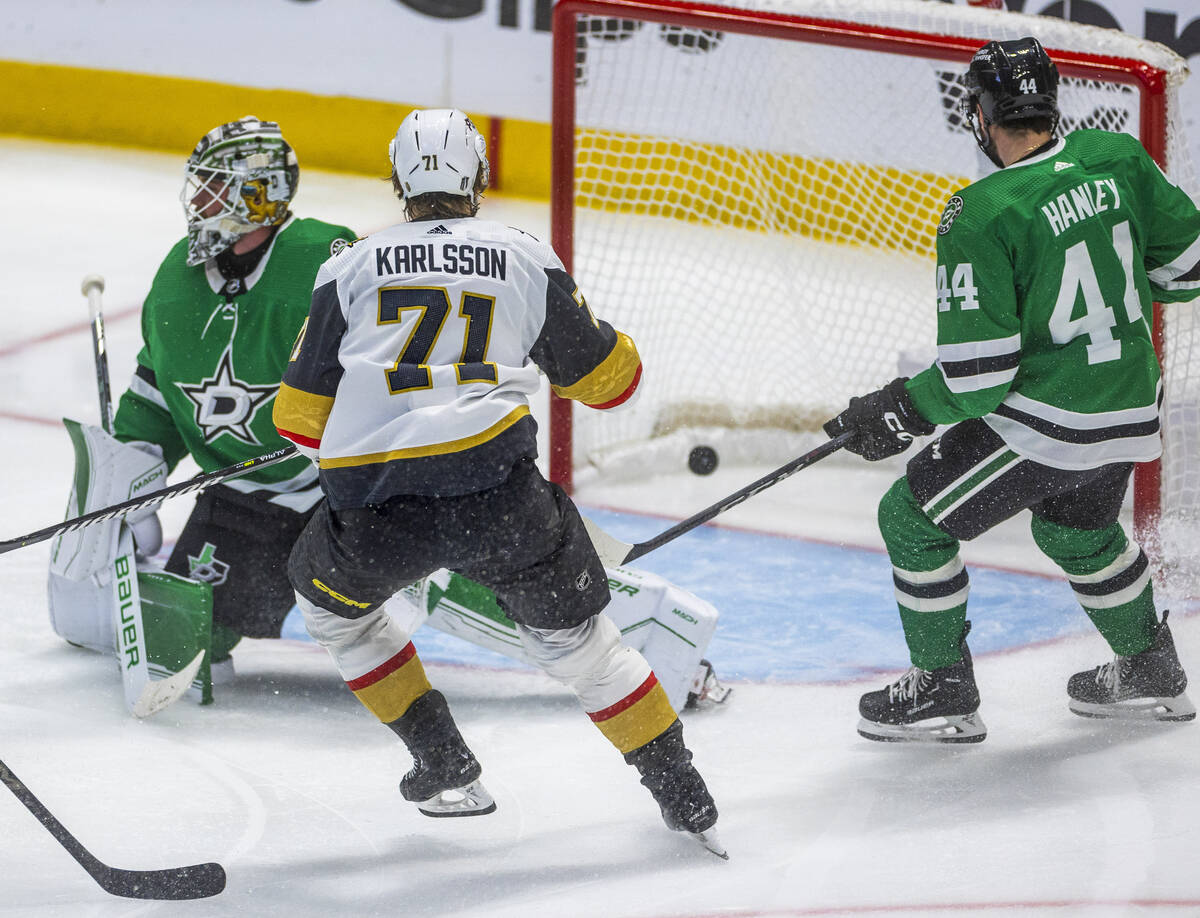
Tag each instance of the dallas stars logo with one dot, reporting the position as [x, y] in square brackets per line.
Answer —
[225, 404]
[206, 567]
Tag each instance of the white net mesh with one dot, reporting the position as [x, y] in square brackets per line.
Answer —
[759, 214]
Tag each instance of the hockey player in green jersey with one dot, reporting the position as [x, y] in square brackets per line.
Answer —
[217, 326]
[1046, 272]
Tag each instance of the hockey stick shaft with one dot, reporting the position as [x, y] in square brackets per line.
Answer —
[614, 552]
[197, 881]
[196, 483]
[92, 287]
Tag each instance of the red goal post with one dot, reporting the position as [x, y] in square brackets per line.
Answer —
[618, 161]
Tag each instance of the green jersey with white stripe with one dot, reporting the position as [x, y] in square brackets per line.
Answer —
[1046, 272]
[214, 352]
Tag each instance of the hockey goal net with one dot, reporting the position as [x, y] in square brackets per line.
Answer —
[752, 189]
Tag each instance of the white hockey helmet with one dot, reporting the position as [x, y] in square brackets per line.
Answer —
[240, 177]
[439, 149]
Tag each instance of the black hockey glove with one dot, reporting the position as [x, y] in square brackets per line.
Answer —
[884, 422]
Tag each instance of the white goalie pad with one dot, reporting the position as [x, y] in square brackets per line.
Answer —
[157, 625]
[81, 562]
[106, 473]
[668, 625]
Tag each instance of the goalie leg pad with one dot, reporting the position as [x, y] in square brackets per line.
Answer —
[459, 606]
[81, 612]
[80, 581]
[177, 619]
[671, 628]
[106, 472]
[171, 625]
[160, 626]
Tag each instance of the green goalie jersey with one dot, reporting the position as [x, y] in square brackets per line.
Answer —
[214, 352]
[1046, 275]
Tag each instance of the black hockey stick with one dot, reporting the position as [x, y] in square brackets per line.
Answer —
[198, 881]
[613, 552]
[92, 287]
[195, 483]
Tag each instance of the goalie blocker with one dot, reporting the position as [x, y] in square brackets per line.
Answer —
[103, 597]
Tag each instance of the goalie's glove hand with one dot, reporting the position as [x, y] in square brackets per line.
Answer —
[147, 531]
[884, 422]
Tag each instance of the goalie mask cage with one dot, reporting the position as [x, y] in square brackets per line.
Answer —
[752, 190]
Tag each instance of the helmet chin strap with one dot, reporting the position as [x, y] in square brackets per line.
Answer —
[987, 143]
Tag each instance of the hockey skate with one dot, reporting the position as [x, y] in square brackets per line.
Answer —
[444, 780]
[707, 690]
[1144, 686]
[926, 706]
[665, 765]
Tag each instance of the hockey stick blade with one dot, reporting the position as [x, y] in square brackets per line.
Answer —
[198, 881]
[153, 498]
[162, 693]
[613, 552]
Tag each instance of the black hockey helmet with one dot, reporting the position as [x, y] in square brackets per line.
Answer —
[1010, 81]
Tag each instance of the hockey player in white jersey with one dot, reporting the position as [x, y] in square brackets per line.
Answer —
[410, 386]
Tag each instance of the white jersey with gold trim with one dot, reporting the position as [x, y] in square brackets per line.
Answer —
[422, 347]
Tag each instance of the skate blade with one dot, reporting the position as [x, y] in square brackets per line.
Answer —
[1178, 708]
[960, 728]
[471, 800]
[708, 838]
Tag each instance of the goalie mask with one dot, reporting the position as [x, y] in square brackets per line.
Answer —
[241, 177]
[1009, 81]
[439, 150]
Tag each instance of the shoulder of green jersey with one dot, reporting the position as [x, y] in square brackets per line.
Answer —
[951, 212]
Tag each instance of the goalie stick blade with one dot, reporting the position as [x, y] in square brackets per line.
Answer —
[199, 881]
[612, 551]
[163, 693]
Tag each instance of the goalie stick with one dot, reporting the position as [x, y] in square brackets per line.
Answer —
[195, 483]
[614, 553]
[155, 694]
[92, 287]
[198, 881]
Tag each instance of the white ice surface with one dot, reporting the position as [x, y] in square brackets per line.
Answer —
[291, 785]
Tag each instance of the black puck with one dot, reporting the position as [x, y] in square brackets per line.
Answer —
[702, 460]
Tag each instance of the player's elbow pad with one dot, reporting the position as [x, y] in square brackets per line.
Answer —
[627, 398]
[612, 383]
